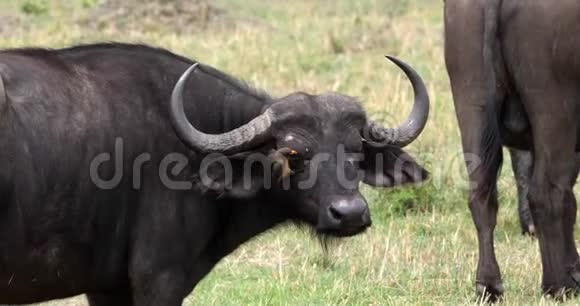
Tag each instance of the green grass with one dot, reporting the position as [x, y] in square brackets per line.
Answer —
[422, 248]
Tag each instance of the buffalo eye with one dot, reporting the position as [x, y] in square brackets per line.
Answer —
[298, 163]
[353, 163]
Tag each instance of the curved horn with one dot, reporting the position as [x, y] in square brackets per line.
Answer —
[413, 126]
[245, 137]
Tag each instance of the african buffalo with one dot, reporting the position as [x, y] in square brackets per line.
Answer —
[127, 172]
[515, 76]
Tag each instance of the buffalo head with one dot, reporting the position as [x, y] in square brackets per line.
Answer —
[316, 150]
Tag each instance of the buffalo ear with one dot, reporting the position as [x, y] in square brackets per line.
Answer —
[391, 166]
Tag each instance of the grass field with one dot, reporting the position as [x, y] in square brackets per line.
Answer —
[422, 248]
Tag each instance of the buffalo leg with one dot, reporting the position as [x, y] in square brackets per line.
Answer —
[477, 97]
[522, 164]
[483, 205]
[160, 267]
[483, 156]
[110, 299]
[551, 197]
[554, 209]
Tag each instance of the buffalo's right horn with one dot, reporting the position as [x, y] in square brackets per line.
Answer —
[245, 137]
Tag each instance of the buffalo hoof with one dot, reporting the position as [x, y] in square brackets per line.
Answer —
[529, 230]
[570, 287]
[576, 278]
[559, 294]
[489, 292]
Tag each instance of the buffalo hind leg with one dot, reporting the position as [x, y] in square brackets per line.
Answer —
[483, 205]
[522, 163]
[551, 196]
[470, 59]
[483, 157]
[110, 299]
[553, 208]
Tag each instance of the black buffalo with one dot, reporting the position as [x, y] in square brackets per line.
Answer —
[101, 156]
[515, 75]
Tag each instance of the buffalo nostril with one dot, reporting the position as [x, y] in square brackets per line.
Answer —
[335, 213]
[348, 211]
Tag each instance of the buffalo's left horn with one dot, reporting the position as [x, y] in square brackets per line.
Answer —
[379, 136]
[245, 137]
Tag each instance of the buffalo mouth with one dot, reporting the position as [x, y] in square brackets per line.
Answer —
[327, 222]
[347, 231]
